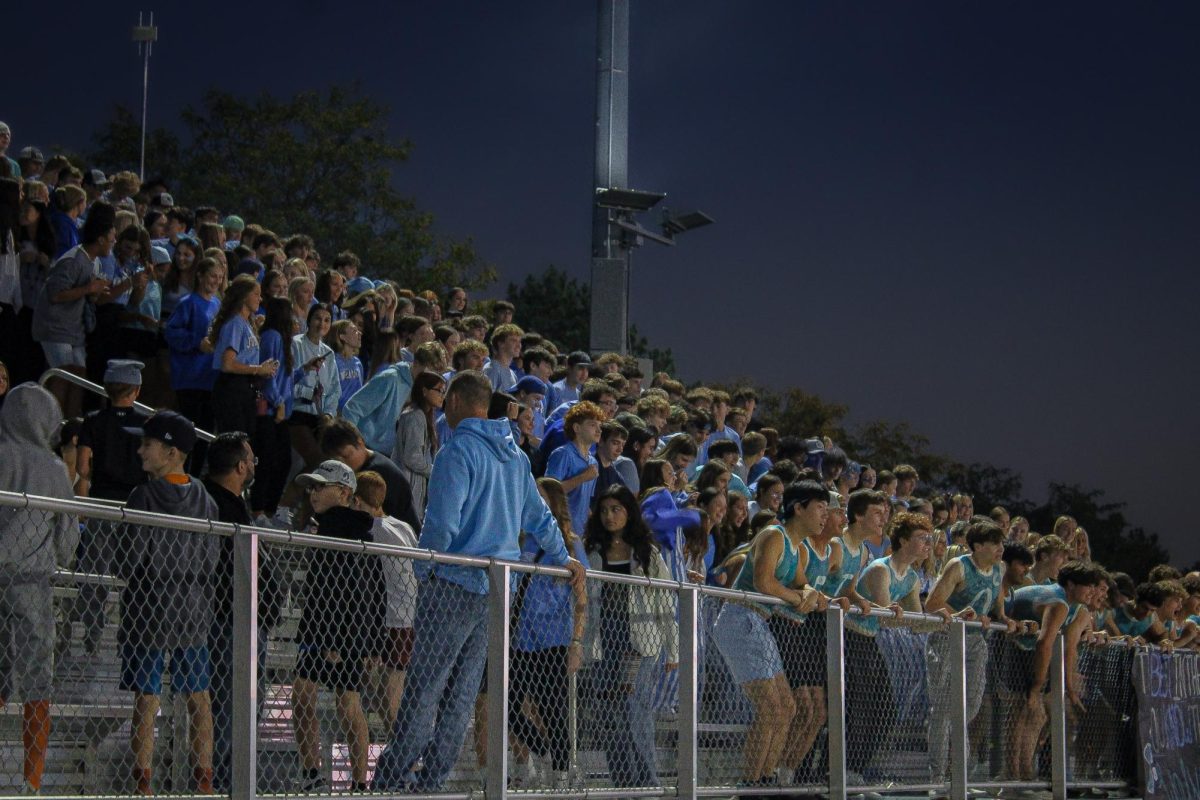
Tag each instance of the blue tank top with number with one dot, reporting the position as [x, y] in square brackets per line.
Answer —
[899, 587]
[852, 564]
[979, 590]
[785, 570]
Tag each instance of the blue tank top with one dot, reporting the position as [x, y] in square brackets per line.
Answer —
[1194, 618]
[852, 564]
[1128, 624]
[978, 591]
[899, 587]
[816, 574]
[785, 570]
[1028, 602]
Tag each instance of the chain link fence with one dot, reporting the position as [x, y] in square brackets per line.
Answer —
[129, 670]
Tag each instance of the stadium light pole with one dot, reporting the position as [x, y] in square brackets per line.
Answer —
[145, 35]
[615, 231]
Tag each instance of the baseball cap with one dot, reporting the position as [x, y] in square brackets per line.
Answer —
[162, 200]
[94, 177]
[233, 223]
[578, 357]
[835, 500]
[169, 428]
[358, 285]
[814, 446]
[121, 370]
[530, 385]
[159, 255]
[31, 152]
[327, 472]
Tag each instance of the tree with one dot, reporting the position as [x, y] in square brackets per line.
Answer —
[795, 412]
[118, 146]
[988, 485]
[318, 163]
[663, 359]
[884, 444]
[555, 305]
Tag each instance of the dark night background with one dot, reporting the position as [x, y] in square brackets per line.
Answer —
[979, 219]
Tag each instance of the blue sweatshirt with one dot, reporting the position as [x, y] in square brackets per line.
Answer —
[350, 373]
[185, 330]
[376, 407]
[278, 389]
[482, 495]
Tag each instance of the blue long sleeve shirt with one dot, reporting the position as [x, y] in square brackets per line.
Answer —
[481, 496]
[278, 389]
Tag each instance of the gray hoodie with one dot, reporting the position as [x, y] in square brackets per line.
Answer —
[168, 599]
[33, 542]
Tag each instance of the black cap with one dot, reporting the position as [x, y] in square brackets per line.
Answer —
[578, 357]
[169, 428]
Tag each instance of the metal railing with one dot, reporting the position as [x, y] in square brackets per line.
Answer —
[693, 723]
[97, 389]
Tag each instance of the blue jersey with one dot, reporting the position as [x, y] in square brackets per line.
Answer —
[979, 590]
[816, 575]
[785, 570]
[852, 565]
[1128, 624]
[1029, 602]
[899, 587]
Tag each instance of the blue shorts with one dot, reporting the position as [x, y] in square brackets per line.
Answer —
[142, 669]
[745, 641]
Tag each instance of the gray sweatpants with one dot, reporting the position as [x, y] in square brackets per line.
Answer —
[26, 636]
[941, 698]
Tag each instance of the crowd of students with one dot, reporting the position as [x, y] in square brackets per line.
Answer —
[359, 409]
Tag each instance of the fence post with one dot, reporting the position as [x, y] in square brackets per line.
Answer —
[1058, 721]
[499, 609]
[835, 695]
[244, 774]
[689, 675]
[959, 746]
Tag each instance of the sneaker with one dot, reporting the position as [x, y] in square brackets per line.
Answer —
[28, 790]
[313, 784]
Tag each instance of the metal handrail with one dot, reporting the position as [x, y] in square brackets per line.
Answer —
[95, 388]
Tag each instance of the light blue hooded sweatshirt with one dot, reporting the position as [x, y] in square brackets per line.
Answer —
[376, 407]
[481, 496]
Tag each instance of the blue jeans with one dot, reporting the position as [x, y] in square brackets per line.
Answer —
[439, 694]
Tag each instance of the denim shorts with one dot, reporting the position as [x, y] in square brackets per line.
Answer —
[142, 669]
[59, 354]
[745, 641]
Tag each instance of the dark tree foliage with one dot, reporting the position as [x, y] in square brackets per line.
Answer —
[555, 305]
[316, 163]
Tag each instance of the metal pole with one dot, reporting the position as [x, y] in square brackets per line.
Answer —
[689, 676]
[835, 696]
[499, 608]
[145, 103]
[1058, 721]
[610, 265]
[959, 745]
[243, 778]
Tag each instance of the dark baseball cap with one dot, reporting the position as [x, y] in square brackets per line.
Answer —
[169, 428]
[578, 357]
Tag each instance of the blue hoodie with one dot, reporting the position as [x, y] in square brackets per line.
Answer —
[185, 330]
[482, 495]
[376, 407]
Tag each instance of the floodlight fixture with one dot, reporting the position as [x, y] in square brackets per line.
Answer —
[642, 233]
[628, 199]
[673, 225]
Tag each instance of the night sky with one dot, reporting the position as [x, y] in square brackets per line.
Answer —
[981, 219]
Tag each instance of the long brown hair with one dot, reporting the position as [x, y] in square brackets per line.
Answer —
[422, 383]
[556, 499]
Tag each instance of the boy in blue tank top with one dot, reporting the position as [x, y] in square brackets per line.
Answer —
[1062, 606]
[889, 582]
[970, 587]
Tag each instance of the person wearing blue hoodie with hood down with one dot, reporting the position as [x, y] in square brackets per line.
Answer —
[32, 544]
[482, 495]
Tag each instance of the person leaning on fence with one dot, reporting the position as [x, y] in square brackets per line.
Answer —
[889, 582]
[231, 469]
[970, 587]
[482, 496]
[1060, 606]
[32, 544]
[342, 624]
[632, 627]
[167, 603]
[743, 638]
[401, 586]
